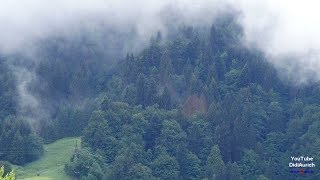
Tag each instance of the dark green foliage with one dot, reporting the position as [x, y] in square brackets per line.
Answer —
[141, 90]
[98, 136]
[140, 171]
[250, 125]
[165, 100]
[244, 109]
[199, 137]
[85, 164]
[153, 130]
[190, 166]
[132, 115]
[8, 92]
[172, 136]
[129, 164]
[18, 143]
[233, 172]
[70, 121]
[165, 167]
[215, 167]
[250, 165]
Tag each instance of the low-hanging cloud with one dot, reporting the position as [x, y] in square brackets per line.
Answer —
[25, 21]
[25, 24]
[288, 33]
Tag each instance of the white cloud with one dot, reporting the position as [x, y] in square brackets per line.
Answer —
[287, 30]
[24, 21]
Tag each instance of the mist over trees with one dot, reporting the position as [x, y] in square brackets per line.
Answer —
[197, 105]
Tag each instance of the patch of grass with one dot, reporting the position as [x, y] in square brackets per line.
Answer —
[51, 165]
[38, 178]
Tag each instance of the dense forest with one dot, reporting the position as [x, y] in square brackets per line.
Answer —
[197, 104]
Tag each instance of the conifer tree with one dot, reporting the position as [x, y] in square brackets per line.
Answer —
[215, 167]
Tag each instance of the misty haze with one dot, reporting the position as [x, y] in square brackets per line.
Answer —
[159, 89]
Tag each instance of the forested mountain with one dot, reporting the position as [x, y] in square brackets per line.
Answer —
[196, 105]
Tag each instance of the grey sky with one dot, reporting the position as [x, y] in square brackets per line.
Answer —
[287, 31]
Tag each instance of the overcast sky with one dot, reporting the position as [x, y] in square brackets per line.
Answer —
[287, 31]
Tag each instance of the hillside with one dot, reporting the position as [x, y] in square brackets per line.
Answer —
[197, 104]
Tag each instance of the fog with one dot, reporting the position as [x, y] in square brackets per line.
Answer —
[24, 22]
[286, 31]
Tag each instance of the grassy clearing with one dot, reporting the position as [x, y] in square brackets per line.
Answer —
[50, 165]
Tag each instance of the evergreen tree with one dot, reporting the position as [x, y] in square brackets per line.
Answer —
[172, 136]
[233, 172]
[250, 165]
[151, 91]
[215, 167]
[98, 136]
[165, 167]
[165, 100]
[141, 90]
[190, 167]
[153, 131]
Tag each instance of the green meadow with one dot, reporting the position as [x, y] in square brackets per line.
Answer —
[50, 165]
